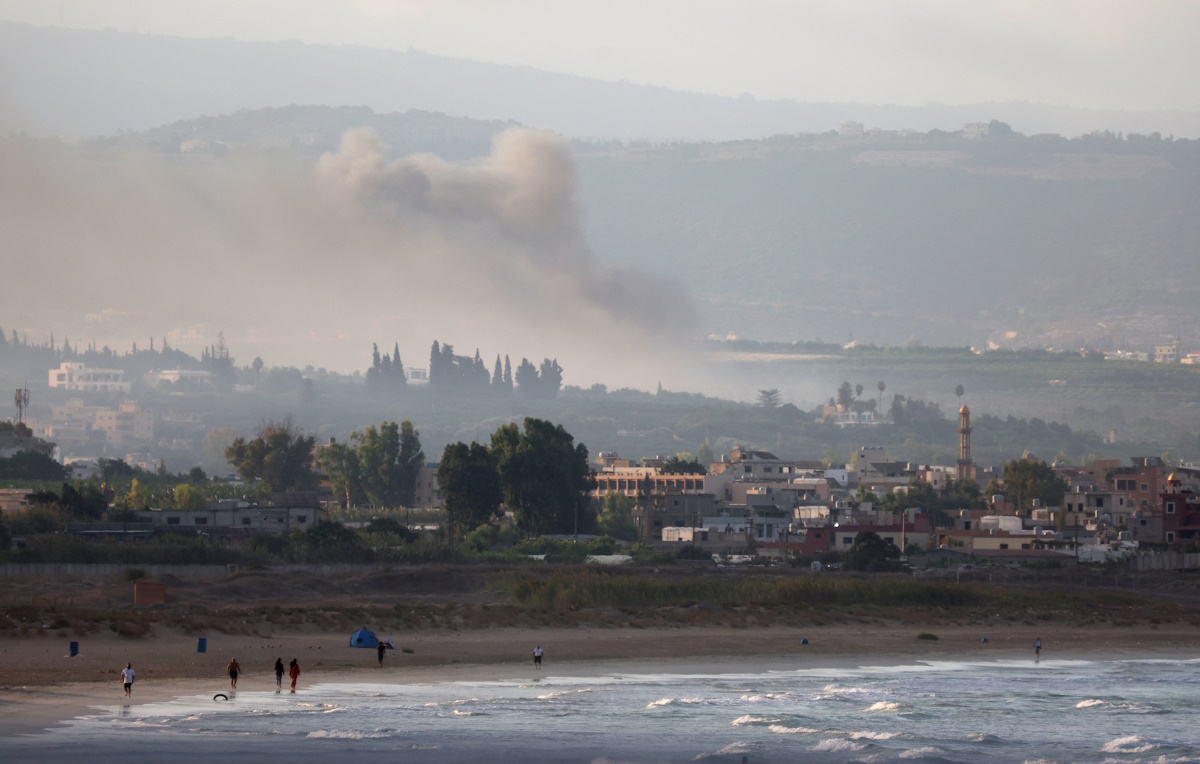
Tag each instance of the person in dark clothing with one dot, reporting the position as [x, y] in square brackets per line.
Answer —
[381, 650]
[278, 674]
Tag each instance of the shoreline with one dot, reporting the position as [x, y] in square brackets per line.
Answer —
[38, 701]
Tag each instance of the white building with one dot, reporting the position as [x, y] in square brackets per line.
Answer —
[76, 376]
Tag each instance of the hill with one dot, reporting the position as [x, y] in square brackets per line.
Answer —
[75, 83]
[1008, 241]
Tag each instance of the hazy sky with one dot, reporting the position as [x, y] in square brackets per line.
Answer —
[1113, 54]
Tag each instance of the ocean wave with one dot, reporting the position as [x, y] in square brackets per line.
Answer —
[923, 752]
[673, 701]
[883, 705]
[869, 735]
[838, 745]
[564, 693]
[733, 749]
[983, 737]
[346, 734]
[457, 712]
[1128, 744]
[743, 720]
[833, 688]
[1089, 703]
[780, 729]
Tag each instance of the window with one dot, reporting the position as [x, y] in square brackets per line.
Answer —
[172, 521]
[1170, 507]
[1145, 487]
[1004, 546]
[200, 521]
[1142, 522]
[245, 521]
[847, 540]
[301, 519]
[766, 469]
[1170, 537]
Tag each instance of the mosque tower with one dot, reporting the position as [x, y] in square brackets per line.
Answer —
[966, 470]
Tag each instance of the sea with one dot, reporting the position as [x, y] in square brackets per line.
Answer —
[926, 711]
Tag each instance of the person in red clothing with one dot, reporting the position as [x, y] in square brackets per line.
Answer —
[294, 673]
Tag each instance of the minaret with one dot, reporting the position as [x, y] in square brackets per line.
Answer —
[966, 470]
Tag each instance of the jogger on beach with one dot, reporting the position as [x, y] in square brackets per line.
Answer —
[127, 678]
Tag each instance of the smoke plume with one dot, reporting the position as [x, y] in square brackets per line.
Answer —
[310, 265]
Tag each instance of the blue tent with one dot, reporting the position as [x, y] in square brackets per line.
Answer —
[364, 638]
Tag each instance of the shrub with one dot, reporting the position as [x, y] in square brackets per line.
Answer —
[134, 574]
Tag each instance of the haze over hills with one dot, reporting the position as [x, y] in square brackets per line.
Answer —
[1002, 241]
[76, 83]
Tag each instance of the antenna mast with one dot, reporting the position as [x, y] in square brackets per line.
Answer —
[21, 398]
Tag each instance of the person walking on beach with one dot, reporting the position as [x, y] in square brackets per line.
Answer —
[381, 650]
[234, 670]
[1037, 649]
[127, 678]
[278, 674]
[294, 673]
[537, 657]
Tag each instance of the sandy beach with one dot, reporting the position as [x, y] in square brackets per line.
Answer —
[40, 685]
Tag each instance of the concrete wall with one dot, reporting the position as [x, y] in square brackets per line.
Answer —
[80, 570]
[1168, 561]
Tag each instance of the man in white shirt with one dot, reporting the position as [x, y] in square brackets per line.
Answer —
[537, 657]
[127, 678]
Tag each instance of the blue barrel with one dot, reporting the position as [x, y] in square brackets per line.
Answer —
[74, 649]
[202, 645]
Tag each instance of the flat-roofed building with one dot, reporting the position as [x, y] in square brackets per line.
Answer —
[71, 375]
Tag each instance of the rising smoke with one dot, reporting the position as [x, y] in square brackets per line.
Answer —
[304, 265]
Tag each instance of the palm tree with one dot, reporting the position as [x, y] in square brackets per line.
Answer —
[959, 392]
[881, 387]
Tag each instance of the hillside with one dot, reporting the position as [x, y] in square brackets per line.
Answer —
[1009, 241]
[74, 83]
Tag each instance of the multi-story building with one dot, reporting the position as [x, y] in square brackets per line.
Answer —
[71, 375]
[127, 424]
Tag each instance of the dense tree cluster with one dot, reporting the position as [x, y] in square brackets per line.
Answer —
[386, 374]
[541, 475]
[31, 465]
[377, 465]
[452, 374]
[1026, 480]
[280, 458]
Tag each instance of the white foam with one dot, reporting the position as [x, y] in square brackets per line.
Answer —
[747, 719]
[1089, 703]
[869, 735]
[837, 745]
[921, 753]
[779, 729]
[883, 705]
[672, 701]
[1128, 744]
[345, 734]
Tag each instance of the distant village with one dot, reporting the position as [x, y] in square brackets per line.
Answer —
[746, 502]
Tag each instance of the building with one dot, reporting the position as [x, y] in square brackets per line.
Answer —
[281, 512]
[1168, 353]
[13, 442]
[71, 375]
[427, 494]
[127, 424]
[14, 499]
[975, 131]
[183, 377]
[966, 469]
[681, 510]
